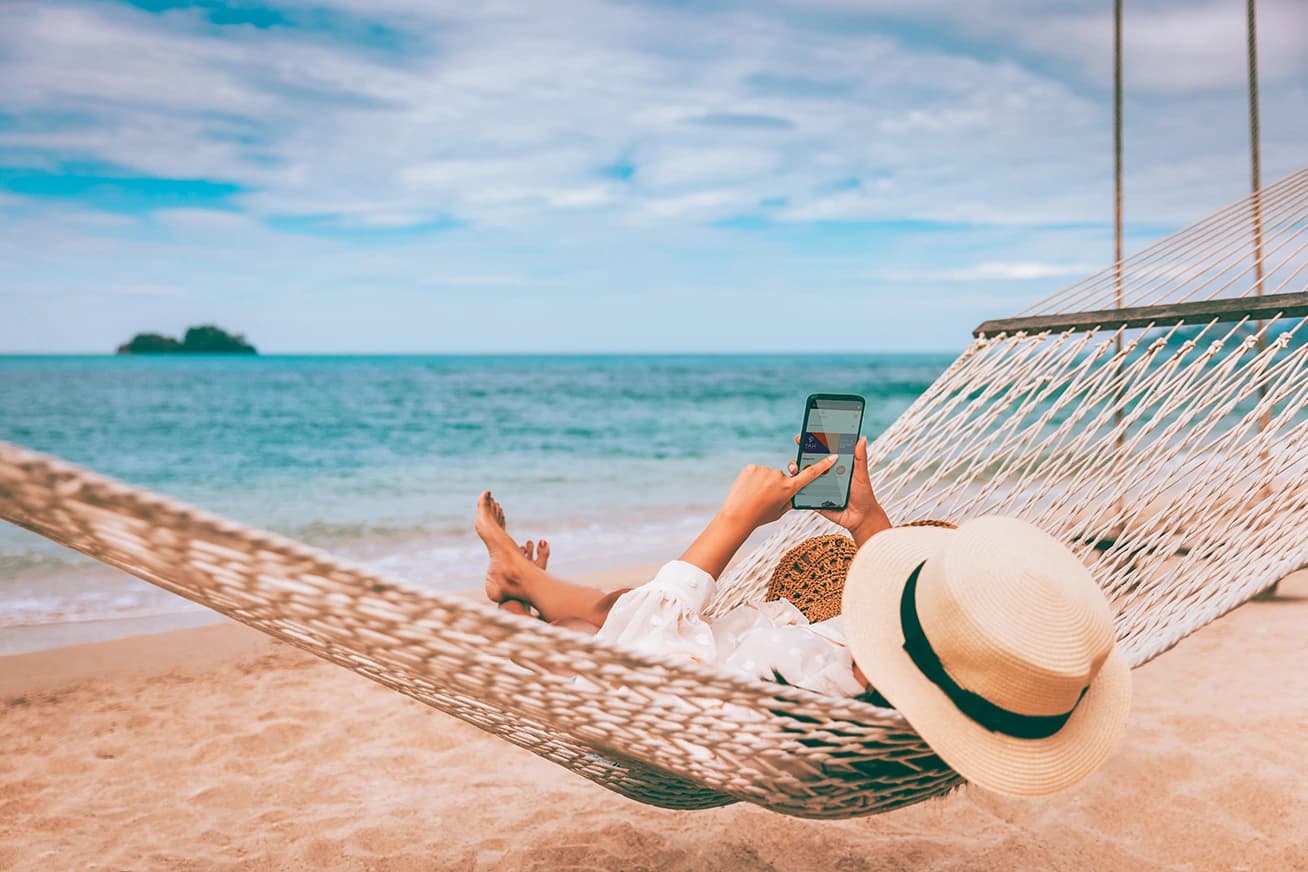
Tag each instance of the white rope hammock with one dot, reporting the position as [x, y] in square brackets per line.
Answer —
[1176, 466]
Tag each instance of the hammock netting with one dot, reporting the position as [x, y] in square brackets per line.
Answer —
[1162, 436]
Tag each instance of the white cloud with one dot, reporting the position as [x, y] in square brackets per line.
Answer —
[991, 271]
[204, 220]
[582, 198]
[1182, 47]
[682, 166]
[1169, 45]
[590, 145]
[700, 203]
[149, 291]
[515, 109]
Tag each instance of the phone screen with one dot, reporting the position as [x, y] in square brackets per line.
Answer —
[831, 426]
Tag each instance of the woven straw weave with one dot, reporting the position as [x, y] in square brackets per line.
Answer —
[811, 576]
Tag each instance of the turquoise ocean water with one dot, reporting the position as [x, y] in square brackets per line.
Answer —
[615, 459]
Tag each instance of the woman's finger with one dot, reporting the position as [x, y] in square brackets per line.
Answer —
[809, 473]
[792, 468]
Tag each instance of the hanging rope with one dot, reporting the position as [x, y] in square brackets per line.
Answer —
[1255, 157]
[1117, 146]
[1255, 172]
[1117, 169]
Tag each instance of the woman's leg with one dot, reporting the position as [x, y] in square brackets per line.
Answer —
[537, 552]
[512, 576]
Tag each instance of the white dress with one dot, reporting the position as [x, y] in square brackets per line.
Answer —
[665, 616]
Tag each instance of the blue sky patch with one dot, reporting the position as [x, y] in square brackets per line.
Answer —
[320, 21]
[622, 171]
[255, 15]
[108, 189]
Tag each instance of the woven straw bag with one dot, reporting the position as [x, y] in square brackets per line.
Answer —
[812, 574]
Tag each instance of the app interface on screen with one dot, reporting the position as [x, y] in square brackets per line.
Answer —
[832, 429]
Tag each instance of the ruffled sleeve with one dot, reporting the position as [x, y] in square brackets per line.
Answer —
[665, 616]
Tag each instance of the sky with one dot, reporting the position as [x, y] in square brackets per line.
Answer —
[573, 176]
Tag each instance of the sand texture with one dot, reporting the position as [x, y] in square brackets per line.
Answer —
[214, 748]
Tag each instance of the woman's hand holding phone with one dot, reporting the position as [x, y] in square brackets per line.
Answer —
[762, 494]
[759, 496]
[862, 516]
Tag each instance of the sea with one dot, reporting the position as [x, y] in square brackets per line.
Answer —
[616, 460]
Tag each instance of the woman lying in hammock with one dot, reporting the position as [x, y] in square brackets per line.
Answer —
[665, 616]
[992, 638]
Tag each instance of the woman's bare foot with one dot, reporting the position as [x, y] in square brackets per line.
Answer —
[506, 558]
[537, 552]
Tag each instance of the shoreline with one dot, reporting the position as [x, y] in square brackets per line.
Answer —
[86, 601]
[640, 558]
[112, 638]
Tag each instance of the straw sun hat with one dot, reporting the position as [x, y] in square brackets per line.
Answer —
[995, 643]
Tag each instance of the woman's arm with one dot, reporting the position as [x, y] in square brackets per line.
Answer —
[759, 496]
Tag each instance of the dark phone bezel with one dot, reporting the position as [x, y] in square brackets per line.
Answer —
[799, 453]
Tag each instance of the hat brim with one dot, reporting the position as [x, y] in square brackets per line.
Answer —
[999, 762]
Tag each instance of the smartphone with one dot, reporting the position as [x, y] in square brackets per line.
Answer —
[832, 423]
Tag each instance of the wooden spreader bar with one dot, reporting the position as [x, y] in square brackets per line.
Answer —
[1199, 312]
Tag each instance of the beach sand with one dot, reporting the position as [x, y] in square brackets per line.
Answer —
[215, 748]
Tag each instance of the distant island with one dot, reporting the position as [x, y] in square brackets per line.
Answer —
[205, 339]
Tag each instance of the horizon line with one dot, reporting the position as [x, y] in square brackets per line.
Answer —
[488, 353]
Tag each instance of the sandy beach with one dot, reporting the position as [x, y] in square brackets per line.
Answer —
[217, 748]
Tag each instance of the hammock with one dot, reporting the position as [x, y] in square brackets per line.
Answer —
[1152, 416]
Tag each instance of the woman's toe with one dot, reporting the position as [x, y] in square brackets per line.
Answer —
[517, 607]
